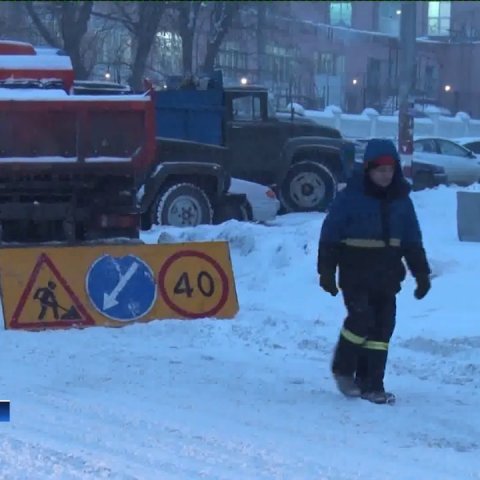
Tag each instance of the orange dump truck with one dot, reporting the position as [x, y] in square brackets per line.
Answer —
[70, 165]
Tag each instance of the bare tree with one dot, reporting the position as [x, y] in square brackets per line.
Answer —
[64, 26]
[221, 18]
[186, 16]
[142, 20]
[13, 24]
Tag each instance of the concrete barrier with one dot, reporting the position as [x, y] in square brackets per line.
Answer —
[371, 124]
[468, 216]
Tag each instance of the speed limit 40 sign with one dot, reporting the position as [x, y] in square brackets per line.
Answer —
[193, 284]
[198, 283]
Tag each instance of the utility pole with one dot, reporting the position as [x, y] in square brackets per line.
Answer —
[407, 76]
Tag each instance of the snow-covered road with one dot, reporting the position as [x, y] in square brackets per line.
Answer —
[252, 398]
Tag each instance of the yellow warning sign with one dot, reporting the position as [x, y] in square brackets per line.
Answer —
[47, 299]
[112, 285]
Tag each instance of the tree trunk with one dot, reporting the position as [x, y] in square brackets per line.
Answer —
[187, 22]
[187, 53]
[221, 20]
[74, 24]
[73, 18]
[149, 15]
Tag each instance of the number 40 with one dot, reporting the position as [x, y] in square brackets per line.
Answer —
[205, 284]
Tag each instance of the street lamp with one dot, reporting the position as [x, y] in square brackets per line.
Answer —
[447, 88]
[354, 81]
[243, 80]
[108, 75]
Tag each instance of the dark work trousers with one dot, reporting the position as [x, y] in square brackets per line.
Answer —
[362, 347]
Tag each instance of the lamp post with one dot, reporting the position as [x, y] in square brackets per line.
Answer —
[407, 73]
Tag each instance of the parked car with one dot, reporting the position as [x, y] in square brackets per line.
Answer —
[461, 164]
[472, 143]
[261, 203]
[425, 174]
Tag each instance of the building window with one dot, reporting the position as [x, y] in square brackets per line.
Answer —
[325, 63]
[341, 14]
[389, 18]
[439, 18]
[168, 52]
[430, 81]
[373, 72]
[328, 63]
[279, 63]
[231, 58]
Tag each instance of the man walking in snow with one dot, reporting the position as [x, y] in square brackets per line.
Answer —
[371, 226]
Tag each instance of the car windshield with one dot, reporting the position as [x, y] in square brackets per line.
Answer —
[473, 146]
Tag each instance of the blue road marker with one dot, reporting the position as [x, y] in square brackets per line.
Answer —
[121, 288]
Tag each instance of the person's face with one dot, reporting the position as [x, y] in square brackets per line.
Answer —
[382, 175]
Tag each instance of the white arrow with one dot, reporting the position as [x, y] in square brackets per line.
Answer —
[110, 299]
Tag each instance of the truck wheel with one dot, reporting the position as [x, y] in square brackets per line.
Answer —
[308, 187]
[182, 205]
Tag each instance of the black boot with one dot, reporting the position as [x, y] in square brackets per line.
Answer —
[361, 372]
[343, 367]
[379, 397]
[374, 390]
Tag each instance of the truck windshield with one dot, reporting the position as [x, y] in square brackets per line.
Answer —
[247, 108]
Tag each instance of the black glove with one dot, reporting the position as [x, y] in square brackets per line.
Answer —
[423, 286]
[328, 283]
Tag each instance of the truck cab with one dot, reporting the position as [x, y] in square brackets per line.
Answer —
[257, 136]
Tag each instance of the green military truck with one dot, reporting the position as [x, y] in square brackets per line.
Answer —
[304, 162]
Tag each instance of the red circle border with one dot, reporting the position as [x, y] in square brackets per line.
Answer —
[163, 291]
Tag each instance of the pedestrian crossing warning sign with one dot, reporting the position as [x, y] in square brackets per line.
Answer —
[48, 300]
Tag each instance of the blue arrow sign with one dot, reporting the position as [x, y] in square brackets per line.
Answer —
[121, 288]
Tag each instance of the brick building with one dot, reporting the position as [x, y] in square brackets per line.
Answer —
[346, 53]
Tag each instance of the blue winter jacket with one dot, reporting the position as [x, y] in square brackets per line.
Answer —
[368, 230]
